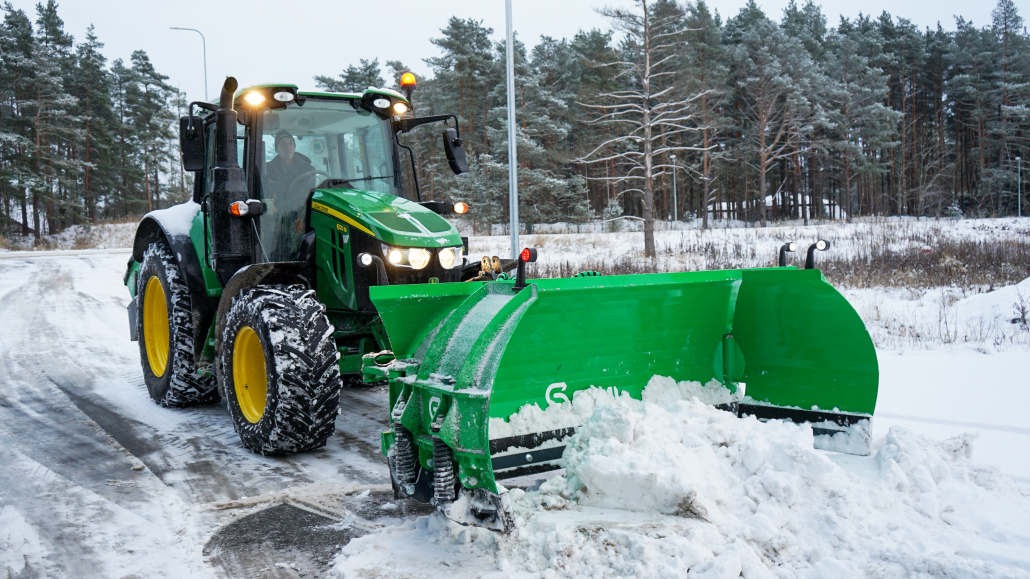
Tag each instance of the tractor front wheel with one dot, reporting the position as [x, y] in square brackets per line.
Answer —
[279, 369]
[165, 328]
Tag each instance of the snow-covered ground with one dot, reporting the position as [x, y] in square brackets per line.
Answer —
[680, 489]
[97, 481]
[103, 236]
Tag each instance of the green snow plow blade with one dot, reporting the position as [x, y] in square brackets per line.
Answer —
[470, 352]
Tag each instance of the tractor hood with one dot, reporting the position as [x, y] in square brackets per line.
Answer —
[390, 219]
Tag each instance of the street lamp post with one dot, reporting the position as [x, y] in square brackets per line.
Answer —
[204, 41]
[1019, 186]
[675, 206]
[513, 179]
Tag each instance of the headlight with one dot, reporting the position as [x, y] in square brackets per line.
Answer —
[447, 257]
[254, 98]
[400, 108]
[418, 257]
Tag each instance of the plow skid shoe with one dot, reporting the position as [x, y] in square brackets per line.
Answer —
[480, 508]
[471, 355]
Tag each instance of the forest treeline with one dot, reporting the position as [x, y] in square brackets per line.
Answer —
[758, 118]
[80, 139]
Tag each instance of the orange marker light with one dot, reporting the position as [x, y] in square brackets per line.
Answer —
[239, 209]
[407, 79]
[461, 208]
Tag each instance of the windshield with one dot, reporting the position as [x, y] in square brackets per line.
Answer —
[305, 145]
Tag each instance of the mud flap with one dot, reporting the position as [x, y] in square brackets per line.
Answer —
[481, 508]
[133, 310]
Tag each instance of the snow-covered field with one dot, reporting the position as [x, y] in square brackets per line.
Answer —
[720, 248]
[96, 481]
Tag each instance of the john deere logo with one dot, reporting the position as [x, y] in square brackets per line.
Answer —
[434, 407]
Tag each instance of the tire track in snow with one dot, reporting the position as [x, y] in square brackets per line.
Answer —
[72, 399]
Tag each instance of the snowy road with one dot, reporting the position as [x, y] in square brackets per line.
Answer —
[98, 481]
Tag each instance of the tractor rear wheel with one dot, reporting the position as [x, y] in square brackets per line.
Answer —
[165, 329]
[279, 369]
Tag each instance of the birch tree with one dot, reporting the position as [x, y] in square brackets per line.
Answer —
[648, 111]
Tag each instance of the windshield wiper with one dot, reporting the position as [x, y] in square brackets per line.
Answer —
[336, 183]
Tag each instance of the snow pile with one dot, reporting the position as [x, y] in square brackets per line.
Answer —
[530, 418]
[662, 390]
[678, 488]
[659, 390]
[1003, 306]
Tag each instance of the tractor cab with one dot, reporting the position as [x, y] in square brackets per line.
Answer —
[337, 155]
[290, 148]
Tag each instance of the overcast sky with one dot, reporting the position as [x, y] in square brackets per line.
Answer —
[293, 40]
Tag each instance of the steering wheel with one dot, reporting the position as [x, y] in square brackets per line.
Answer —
[307, 174]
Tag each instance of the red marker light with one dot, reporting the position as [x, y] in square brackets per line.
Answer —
[528, 255]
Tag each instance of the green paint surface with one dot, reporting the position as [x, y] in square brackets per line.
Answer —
[482, 350]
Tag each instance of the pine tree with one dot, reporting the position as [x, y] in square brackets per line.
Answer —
[860, 124]
[777, 85]
[705, 74]
[90, 81]
[546, 194]
[151, 121]
[355, 79]
[1011, 93]
[466, 71]
[125, 153]
[56, 130]
[16, 143]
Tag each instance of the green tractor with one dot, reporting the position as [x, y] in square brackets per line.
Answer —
[254, 290]
[299, 264]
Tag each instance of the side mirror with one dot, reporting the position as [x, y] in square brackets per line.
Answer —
[455, 154]
[191, 143]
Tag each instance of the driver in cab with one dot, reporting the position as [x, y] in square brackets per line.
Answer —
[286, 169]
[290, 175]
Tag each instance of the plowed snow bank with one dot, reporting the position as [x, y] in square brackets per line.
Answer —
[677, 488]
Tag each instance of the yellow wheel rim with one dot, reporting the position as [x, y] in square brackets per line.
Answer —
[248, 374]
[155, 326]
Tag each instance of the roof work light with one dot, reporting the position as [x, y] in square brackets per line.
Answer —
[408, 84]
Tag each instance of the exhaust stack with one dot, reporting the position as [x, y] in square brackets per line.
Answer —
[232, 237]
